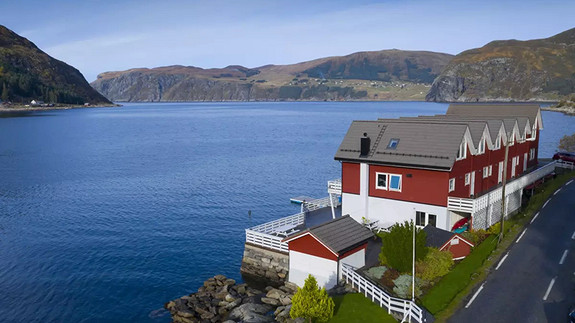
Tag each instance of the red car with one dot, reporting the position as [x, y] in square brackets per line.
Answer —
[570, 157]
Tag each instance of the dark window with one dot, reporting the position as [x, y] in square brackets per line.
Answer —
[420, 218]
[393, 143]
[382, 181]
[432, 220]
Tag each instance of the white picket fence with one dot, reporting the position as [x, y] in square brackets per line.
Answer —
[408, 309]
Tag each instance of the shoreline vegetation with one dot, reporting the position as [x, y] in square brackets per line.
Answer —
[23, 108]
[565, 106]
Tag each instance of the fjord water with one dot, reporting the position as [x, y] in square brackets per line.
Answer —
[105, 214]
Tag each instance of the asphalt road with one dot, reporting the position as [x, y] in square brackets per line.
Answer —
[535, 280]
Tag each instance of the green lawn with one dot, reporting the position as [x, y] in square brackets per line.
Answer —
[358, 308]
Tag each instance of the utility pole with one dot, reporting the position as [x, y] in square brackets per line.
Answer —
[413, 263]
[503, 188]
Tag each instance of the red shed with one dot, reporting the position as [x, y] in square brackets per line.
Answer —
[450, 241]
[321, 250]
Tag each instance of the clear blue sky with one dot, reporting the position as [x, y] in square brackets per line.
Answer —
[98, 36]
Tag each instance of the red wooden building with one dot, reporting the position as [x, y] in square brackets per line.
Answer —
[439, 169]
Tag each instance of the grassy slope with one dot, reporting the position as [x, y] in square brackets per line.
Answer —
[357, 308]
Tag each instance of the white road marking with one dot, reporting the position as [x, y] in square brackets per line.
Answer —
[535, 217]
[563, 257]
[521, 236]
[549, 288]
[544, 205]
[569, 182]
[474, 295]
[501, 261]
[557, 191]
[573, 236]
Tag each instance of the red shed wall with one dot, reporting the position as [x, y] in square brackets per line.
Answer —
[350, 178]
[309, 245]
[424, 186]
[459, 250]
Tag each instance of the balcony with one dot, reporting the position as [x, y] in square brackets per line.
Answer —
[473, 205]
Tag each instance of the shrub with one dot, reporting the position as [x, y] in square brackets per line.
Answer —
[312, 303]
[494, 229]
[475, 236]
[397, 246]
[403, 285]
[436, 264]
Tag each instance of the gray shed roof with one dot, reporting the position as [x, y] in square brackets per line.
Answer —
[436, 237]
[340, 234]
[421, 143]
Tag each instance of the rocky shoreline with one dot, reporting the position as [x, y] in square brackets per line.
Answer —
[220, 299]
[568, 110]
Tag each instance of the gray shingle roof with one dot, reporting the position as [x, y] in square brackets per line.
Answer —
[432, 141]
[529, 110]
[420, 143]
[437, 237]
[341, 234]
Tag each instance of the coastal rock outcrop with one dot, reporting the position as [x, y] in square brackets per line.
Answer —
[510, 70]
[27, 73]
[220, 299]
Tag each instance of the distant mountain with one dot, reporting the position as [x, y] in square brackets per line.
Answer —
[510, 70]
[388, 74]
[27, 73]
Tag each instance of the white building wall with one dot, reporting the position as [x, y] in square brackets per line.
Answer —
[388, 211]
[301, 265]
[356, 260]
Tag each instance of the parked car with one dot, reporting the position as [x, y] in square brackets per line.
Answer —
[570, 157]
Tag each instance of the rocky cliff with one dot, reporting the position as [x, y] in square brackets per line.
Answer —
[510, 70]
[27, 73]
[359, 76]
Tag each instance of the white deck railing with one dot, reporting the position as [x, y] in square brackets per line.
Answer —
[565, 164]
[313, 205]
[334, 186]
[266, 235]
[408, 309]
[266, 240]
[269, 227]
[474, 205]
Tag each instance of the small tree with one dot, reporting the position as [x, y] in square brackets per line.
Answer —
[567, 143]
[397, 246]
[312, 303]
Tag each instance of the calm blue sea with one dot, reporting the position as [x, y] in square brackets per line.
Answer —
[106, 214]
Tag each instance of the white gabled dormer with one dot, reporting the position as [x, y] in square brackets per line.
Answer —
[466, 142]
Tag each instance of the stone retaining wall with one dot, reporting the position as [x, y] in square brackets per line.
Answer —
[265, 263]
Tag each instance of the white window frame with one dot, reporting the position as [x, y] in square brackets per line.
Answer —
[490, 170]
[425, 219]
[389, 176]
[485, 171]
[500, 172]
[377, 181]
[481, 147]
[452, 184]
[462, 152]
[467, 179]
[497, 143]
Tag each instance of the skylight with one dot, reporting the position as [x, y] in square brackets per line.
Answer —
[393, 143]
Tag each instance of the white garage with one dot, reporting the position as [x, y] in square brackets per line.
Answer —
[321, 250]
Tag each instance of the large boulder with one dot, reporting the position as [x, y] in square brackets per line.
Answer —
[250, 311]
